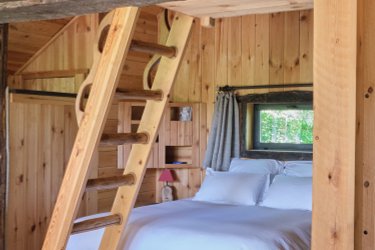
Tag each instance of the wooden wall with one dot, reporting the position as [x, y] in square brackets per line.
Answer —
[72, 49]
[41, 137]
[249, 50]
[34, 184]
[257, 49]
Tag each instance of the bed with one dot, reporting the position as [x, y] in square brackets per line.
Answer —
[188, 224]
[257, 205]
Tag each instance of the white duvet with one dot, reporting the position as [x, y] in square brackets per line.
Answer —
[193, 225]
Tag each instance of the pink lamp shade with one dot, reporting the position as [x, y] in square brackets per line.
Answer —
[166, 176]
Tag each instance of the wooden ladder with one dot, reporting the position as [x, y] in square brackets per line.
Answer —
[116, 30]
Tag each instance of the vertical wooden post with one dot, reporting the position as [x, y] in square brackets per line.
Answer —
[3, 160]
[365, 141]
[335, 62]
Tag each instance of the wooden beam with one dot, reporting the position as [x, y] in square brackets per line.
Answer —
[26, 10]
[3, 137]
[97, 223]
[110, 182]
[335, 44]
[230, 8]
[40, 99]
[365, 140]
[98, 105]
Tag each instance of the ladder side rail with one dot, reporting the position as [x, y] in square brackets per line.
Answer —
[88, 136]
[126, 195]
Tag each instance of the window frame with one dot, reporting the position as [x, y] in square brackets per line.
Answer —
[257, 145]
[286, 97]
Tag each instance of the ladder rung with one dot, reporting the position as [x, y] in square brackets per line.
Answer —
[123, 138]
[93, 224]
[110, 182]
[153, 48]
[130, 95]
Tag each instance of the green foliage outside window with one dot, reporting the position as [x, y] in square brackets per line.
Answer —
[286, 126]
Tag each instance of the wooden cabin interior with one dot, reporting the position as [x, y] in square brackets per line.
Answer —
[48, 51]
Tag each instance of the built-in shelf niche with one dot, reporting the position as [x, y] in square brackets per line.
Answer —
[181, 114]
[178, 155]
[182, 134]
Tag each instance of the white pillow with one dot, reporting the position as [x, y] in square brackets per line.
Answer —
[298, 168]
[232, 188]
[256, 166]
[289, 192]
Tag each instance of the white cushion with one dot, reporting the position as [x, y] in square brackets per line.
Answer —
[289, 192]
[232, 188]
[298, 168]
[256, 166]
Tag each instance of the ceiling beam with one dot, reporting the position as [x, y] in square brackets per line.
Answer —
[31, 10]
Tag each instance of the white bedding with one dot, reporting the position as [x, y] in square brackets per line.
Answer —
[194, 225]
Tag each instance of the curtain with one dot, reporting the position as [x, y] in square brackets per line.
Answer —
[224, 138]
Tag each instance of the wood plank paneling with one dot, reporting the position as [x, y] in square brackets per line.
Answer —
[306, 46]
[262, 49]
[292, 47]
[71, 50]
[273, 49]
[277, 45]
[238, 51]
[235, 50]
[26, 38]
[38, 148]
[248, 53]
[248, 50]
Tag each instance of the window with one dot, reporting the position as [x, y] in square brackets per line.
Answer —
[283, 127]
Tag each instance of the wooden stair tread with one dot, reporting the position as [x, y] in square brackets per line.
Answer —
[123, 138]
[144, 95]
[110, 182]
[153, 48]
[96, 223]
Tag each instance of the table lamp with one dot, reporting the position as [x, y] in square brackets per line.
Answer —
[166, 192]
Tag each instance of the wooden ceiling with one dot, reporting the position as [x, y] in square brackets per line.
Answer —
[27, 38]
[23, 10]
[228, 8]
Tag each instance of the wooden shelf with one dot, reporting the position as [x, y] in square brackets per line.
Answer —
[180, 139]
[180, 166]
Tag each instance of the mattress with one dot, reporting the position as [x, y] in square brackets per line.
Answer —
[187, 225]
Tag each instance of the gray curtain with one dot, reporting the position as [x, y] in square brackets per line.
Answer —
[224, 138]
